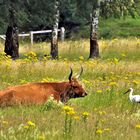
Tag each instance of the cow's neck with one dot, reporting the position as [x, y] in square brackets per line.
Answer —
[60, 87]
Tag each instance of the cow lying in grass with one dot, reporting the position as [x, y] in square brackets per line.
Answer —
[38, 93]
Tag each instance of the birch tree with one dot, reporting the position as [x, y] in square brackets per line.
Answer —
[110, 7]
[54, 39]
[94, 47]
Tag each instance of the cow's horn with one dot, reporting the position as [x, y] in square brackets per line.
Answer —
[70, 76]
[80, 73]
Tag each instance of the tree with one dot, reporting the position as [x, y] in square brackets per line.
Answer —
[37, 15]
[54, 40]
[106, 9]
[11, 42]
[94, 47]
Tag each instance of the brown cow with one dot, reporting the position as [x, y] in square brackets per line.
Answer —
[38, 93]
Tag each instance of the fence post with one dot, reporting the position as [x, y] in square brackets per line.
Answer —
[62, 32]
[32, 38]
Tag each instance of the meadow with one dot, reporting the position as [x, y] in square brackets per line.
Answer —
[105, 114]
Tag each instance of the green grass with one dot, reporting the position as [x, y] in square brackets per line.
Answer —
[111, 114]
[112, 28]
[121, 28]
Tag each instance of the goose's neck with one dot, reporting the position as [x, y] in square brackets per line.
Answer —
[131, 94]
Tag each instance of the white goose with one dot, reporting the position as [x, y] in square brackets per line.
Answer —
[133, 98]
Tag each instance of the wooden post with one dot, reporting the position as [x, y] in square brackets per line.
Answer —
[32, 38]
[62, 31]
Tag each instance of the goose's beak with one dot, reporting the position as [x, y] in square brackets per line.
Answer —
[127, 91]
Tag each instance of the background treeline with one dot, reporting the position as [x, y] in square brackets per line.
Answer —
[74, 16]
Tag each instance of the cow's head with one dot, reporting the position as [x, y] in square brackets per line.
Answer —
[74, 89]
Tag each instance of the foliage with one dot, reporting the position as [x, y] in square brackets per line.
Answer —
[51, 104]
[117, 8]
[112, 28]
[38, 15]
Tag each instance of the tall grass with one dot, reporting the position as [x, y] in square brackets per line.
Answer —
[111, 114]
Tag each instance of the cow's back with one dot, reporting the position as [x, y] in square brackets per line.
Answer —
[29, 93]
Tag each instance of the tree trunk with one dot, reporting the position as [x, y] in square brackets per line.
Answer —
[54, 40]
[12, 42]
[94, 47]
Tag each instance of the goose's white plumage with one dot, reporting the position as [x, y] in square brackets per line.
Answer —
[133, 98]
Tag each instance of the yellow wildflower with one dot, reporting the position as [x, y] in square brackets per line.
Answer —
[112, 84]
[95, 109]
[123, 54]
[115, 39]
[42, 137]
[44, 80]
[99, 131]
[71, 112]
[68, 108]
[99, 91]
[138, 73]
[86, 81]
[138, 126]
[100, 112]
[135, 82]
[115, 60]
[81, 58]
[26, 127]
[4, 122]
[60, 57]
[85, 114]
[65, 59]
[125, 77]
[104, 112]
[107, 129]
[76, 117]
[30, 123]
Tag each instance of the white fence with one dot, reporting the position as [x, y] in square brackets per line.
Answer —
[32, 33]
[20, 35]
[2, 37]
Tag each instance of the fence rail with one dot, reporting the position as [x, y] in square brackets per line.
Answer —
[2, 37]
[31, 34]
